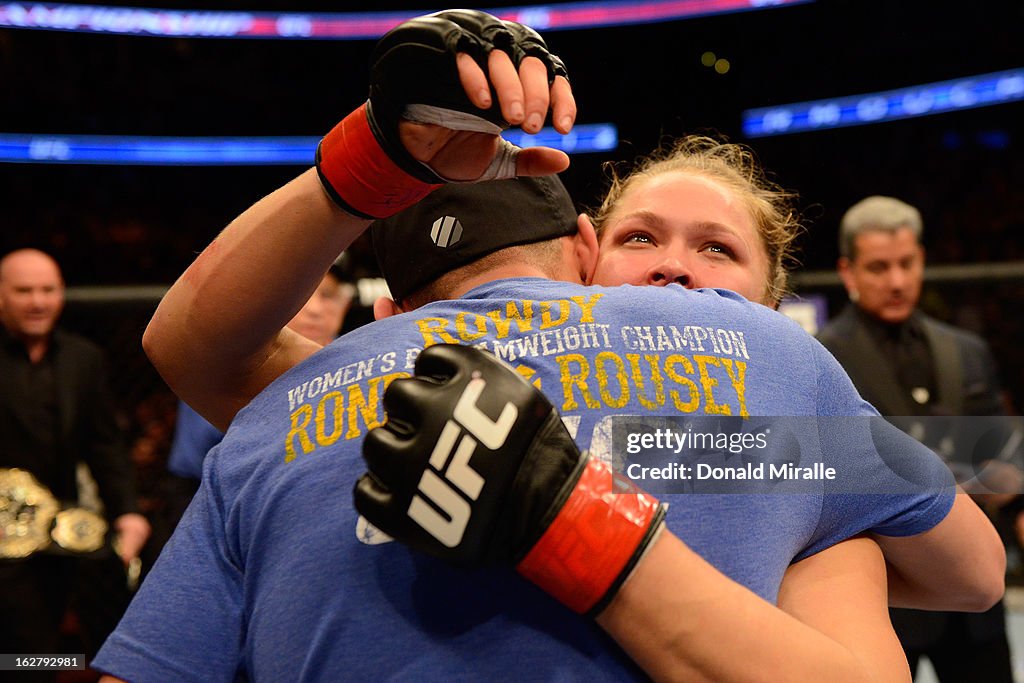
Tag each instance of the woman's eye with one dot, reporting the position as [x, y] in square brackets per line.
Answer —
[720, 249]
[640, 237]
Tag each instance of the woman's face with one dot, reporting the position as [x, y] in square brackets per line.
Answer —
[684, 228]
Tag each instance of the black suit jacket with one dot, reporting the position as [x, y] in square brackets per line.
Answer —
[88, 427]
[967, 384]
[965, 371]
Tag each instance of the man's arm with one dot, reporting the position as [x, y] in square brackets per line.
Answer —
[219, 337]
[681, 619]
[960, 564]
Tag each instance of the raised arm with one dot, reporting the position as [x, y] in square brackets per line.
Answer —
[219, 337]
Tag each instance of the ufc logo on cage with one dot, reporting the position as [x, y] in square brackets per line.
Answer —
[451, 473]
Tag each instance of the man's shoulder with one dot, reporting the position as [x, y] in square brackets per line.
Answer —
[715, 301]
[669, 296]
[838, 328]
[959, 335]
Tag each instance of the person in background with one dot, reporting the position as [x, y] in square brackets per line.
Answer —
[908, 364]
[56, 411]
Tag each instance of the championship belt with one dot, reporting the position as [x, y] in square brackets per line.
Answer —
[78, 530]
[31, 520]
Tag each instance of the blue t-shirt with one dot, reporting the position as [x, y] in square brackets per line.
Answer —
[273, 576]
[193, 439]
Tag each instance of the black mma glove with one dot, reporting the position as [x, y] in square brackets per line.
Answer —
[362, 163]
[475, 466]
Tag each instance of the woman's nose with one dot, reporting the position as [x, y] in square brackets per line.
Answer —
[668, 271]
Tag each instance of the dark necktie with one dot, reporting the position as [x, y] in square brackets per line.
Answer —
[913, 361]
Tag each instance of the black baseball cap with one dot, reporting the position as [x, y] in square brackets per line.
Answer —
[462, 222]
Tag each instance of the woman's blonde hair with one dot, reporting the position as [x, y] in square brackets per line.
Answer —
[735, 167]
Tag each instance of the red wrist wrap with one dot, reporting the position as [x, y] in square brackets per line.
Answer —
[593, 539]
[358, 174]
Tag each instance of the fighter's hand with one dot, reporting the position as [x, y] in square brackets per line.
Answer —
[474, 466]
[524, 99]
[442, 88]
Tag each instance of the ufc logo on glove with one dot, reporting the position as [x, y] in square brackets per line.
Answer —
[436, 484]
[530, 499]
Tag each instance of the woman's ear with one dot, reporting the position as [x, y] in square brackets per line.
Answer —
[586, 249]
